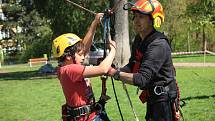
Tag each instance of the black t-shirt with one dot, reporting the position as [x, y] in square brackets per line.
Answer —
[151, 60]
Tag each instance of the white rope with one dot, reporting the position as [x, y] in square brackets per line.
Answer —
[81, 7]
[129, 99]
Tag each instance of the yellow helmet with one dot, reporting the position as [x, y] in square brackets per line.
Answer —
[62, 42]
[151, 7]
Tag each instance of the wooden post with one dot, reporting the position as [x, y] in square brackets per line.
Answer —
[204, 43]
[1, 56]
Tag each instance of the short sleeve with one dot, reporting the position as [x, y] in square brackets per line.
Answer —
[75, 72]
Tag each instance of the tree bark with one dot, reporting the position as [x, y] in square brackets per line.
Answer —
[121, 33]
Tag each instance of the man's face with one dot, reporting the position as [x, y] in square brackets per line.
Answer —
[141, 22]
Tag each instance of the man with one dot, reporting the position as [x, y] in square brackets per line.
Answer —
[150, 66]
[70, 50]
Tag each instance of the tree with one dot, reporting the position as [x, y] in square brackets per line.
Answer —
[12, 11]
[68, 18]
[202, 14]
[35, 35]
[29, 29]
[122, 32]
[176, 24]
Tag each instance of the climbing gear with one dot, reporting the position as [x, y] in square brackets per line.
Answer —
[69, 113]
[107, 19]
[104, 98]
[159, 90]
[149, 7]
[129, 99]
[62, 42]
[176, 107]
[106, 34]
[144, 96]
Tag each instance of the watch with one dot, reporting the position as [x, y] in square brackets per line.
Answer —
[116, 76]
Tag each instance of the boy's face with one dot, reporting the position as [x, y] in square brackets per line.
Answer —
[141, 22]
[79, 57]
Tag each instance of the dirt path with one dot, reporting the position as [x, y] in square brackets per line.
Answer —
[194, 64]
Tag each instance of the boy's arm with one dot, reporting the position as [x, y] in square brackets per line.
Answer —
[87, 41]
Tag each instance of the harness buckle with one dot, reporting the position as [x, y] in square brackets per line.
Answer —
[158, 90]
[98, 107]
[84, 110]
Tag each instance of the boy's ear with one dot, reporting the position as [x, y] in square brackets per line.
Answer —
[68, 58]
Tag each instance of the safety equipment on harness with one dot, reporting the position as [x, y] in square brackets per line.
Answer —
[149, 7]
[176, 112]
[176, 108]
[62, 42]
[69, 113]
[144, 96]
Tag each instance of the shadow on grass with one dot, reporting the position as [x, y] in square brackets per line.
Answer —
[25, 75]
[197, 97]
[183, 100]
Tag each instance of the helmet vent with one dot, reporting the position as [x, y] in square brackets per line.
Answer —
[71, 40]
[58, 49]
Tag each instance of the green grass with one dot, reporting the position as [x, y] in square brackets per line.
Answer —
[194, 58]
[25, 95]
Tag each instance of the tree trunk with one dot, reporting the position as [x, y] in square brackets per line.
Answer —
[121, 33]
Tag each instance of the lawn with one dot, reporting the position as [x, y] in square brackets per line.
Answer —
[196, 58]
[25, 95]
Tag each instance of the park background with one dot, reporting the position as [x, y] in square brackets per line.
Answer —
[27, 28]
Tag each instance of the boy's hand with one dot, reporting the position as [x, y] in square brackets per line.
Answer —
[111, 71]
[98, 17]
[112, 44]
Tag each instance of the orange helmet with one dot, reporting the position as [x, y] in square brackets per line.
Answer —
[151, 7]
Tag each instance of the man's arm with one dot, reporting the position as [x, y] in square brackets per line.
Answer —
[126, 78]
[154, 58]
[87, 41]
[125, 69]
[120, 75]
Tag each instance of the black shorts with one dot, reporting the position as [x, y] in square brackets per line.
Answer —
[160, 111]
